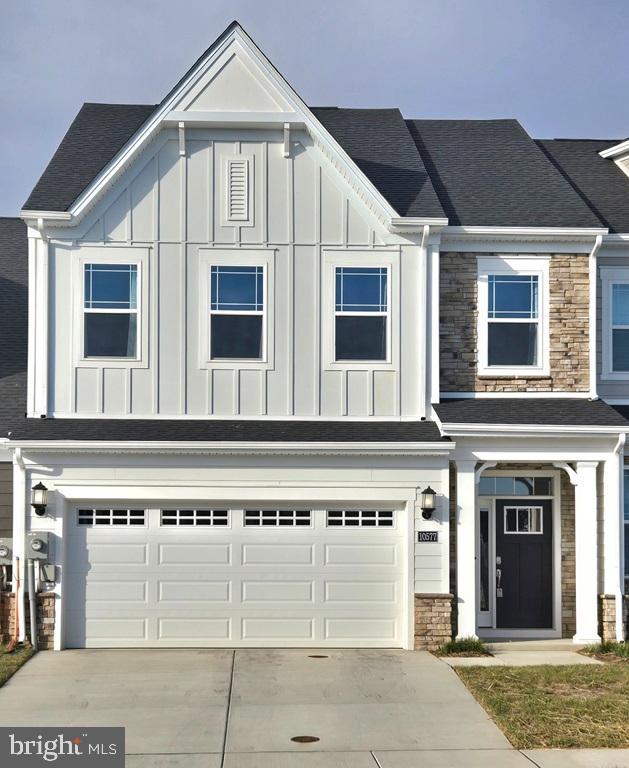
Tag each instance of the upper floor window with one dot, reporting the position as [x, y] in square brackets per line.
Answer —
[615, 312]
[110, 310]
[237, 312]
[361, 313]
[513, 320]
[512, 328]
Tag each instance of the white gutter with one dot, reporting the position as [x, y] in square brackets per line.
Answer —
[593, 276]
[529, 430]
[436, 448]
[568, 232]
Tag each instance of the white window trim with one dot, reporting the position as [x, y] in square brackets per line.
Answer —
[538, 266]
[610, 276]
[334, 259]
[135, 256]
[528, 507]
[227, 220]
[213, 257]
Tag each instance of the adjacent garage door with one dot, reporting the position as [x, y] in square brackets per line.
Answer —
[220, 577]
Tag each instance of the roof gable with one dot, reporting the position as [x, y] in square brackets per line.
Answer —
[221, 79]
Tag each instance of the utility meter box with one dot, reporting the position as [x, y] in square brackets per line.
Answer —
[38, 545]
[6, 551]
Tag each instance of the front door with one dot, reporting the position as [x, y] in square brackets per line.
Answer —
[524, 564]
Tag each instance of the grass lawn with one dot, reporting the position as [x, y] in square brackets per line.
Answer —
[571, 706]
[11, 662]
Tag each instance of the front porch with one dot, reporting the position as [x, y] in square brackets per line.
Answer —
[536, 545]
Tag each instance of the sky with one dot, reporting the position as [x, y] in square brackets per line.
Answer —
[560, 66]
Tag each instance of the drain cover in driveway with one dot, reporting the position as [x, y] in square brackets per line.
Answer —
[305, 739]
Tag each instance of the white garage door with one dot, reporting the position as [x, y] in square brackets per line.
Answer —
[220, 577]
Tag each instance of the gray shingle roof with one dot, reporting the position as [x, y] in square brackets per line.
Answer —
[96, 134]
[377, 140]
[491, 173]
[534, 411]
[379, 143]
[13, 361]
[600, 182]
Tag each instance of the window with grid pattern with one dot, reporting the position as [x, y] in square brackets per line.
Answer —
[111, 517]
[275, 517]
[205, 517]
[110, 310]
[361, 313]
[513, 319]
[364, 518]
[236, 312]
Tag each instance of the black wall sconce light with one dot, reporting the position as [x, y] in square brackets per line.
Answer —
[39, 499]
[428, 502]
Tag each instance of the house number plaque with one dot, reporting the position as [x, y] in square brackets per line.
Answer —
[427, 536]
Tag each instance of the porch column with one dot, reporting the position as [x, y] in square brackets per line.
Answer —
[466, 548]
[613, 545]
[585, 513]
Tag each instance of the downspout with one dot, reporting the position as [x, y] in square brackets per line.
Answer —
[32, 602]
[19, 536]
[619, 581]
[426, 393]
[593, 276]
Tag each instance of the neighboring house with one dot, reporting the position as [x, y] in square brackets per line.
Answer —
[260, 334]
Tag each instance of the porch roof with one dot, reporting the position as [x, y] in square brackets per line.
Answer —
[530, 411]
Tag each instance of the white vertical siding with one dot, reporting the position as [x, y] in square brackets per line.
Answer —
[175, 206]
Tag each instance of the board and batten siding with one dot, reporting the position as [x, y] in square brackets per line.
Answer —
[171, 207]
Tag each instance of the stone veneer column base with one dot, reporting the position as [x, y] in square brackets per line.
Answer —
[433, 620]
[607, 617]
[45, 618]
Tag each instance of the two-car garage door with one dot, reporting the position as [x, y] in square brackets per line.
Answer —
[235, 577]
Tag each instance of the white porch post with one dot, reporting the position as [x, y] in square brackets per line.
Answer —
[585, 512]
[613, 554]
[466, 548]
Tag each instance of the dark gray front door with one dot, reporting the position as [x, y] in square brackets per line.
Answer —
[524, 564]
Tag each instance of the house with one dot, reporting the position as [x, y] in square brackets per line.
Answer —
[298, 376]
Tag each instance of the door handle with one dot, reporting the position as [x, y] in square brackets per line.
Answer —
[498, 582]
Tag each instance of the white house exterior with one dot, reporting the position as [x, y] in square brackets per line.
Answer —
[257, 334]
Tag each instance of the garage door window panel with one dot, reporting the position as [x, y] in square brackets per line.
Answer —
[360, 518]
[111, 517]
[278, 517]
[195, 517]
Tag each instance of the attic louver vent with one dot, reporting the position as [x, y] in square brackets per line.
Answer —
[238, 190]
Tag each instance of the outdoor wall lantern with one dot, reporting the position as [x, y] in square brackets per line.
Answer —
[428, 502]
[39, 498]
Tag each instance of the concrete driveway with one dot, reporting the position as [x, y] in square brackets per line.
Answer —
[226, 709]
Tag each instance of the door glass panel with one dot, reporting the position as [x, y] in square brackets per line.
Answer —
[484, 559]
[511, 522]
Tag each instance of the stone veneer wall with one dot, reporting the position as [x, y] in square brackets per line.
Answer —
[45, 618]
[433, 620]
[569, 328]
[568, 563]
[607, 617]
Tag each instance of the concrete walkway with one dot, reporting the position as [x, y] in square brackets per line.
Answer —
[226, 709]
[525, 653]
